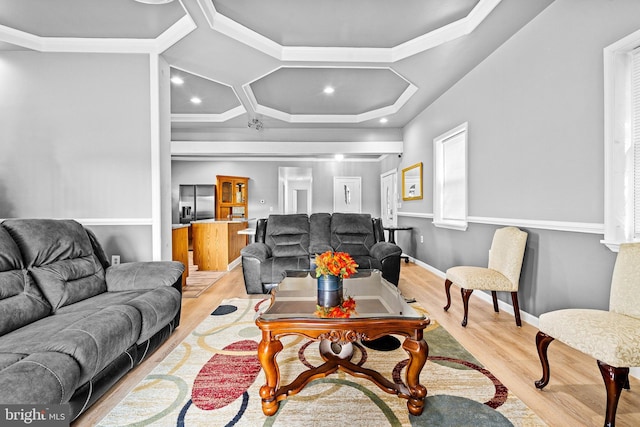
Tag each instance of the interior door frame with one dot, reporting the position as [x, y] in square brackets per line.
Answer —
[392, 206]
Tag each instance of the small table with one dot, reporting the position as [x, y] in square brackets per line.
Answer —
[251, 232]
[392, 237]
[381, 310]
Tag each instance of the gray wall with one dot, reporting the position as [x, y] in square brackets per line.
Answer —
[535, 114]
[263, 182]
[75, 141]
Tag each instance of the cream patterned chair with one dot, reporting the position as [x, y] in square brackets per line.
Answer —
[611, 337]
[503, 274]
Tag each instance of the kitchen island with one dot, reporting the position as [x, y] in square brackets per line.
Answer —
[180, 247]
[217, 244]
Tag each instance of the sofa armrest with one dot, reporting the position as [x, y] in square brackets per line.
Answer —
[382, 250]
[143, 275]
[256, 250]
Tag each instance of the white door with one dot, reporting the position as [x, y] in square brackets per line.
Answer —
[347, 194]
[388, 198]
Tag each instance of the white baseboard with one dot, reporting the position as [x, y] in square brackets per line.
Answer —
[526, 317]
[236, 262]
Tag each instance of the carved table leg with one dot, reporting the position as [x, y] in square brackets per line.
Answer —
[418, 352]
[268, 349]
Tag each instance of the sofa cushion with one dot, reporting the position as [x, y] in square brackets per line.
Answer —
[288, 235]
[21, 302]
[319, 233]
[59, 255]
[157, 307]
[273, 270]
[352, 233]
[366, 262]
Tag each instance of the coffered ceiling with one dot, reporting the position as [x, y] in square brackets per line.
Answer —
[309, 71]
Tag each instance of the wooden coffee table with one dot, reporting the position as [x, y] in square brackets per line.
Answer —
[381, 310]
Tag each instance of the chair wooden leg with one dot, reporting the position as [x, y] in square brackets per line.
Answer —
[494, 296]
[614, 380]
[542, 344]
[466, 293]
[447, 291]
[516, 308]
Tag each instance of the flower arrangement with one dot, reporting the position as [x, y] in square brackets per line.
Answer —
[335, 264]
[343, 310]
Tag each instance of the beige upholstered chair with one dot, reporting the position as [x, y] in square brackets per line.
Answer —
[611, 337]
[503, 274]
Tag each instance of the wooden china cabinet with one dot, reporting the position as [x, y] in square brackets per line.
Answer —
[232, 197]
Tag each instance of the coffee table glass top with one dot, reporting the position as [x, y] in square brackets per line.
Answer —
[296, 298]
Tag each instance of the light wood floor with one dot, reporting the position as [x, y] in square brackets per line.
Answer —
[575, 395]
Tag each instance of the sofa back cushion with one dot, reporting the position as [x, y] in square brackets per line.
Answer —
[288, 235]
[59, 255]
[21, 302]
[320, 233]
[352, 233]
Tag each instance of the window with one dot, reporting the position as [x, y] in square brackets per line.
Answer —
[622, 141]
[450, 179]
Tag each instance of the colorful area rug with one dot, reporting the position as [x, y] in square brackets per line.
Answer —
[213, 379]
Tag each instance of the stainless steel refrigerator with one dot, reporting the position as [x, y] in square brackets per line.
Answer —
[197, 202]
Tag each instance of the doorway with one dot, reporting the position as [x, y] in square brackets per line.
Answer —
[389, 198]
[294, 190]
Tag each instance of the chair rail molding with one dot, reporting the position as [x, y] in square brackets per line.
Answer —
[570, 226]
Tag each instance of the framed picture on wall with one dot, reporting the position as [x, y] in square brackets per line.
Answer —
[347, 194]
[412, 182]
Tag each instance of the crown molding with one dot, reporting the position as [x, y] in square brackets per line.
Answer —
[208, 118]
[157, 45]
[239, 32]
[329, 118]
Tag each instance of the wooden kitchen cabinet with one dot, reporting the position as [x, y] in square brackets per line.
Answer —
[231, 197]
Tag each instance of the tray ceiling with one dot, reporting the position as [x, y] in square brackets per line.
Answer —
[271, 60]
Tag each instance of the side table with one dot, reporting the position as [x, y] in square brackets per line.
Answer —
[392, 237]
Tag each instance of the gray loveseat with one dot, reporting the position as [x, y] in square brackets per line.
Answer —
[71, 325]
[290, 242]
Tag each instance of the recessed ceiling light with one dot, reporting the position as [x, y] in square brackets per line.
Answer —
[196, 100]
[329, 90]
[154, 1]
[177, 80]
[339, 157]
[384, 120]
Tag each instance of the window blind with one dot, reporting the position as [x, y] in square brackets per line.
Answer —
[454, 178]
[635, 137]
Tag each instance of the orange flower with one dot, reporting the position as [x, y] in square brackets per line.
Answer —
[343, 310]
[335, 264]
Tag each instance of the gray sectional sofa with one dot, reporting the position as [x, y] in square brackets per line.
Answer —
[290, 242]
[71, 325]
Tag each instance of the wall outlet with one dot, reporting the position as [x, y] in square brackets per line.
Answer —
[421, 239]
[115, 259]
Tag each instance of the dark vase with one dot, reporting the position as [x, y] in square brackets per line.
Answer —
[329, 291]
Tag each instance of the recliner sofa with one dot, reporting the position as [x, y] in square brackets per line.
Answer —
[290, 242]
[71, 325]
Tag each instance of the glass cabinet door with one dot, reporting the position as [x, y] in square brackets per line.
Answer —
[226, 192]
